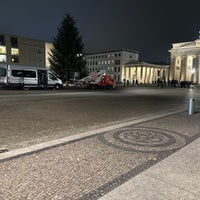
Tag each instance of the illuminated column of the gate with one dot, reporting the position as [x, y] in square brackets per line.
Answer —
[150, 75]
[193, 69]
[198, 71]
[172, 68]
[139, 74]
[154, 75]
[131, 74]
[143, 74]
[188, 68]
[134, 73]
[122, 73]
[147, 75]
[127, 73]
[187, 73]
[125, 70]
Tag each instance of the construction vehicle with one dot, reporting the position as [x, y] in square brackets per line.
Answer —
[97, 80]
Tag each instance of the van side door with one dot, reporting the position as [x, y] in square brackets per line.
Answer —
[3, 76]
[30, 78]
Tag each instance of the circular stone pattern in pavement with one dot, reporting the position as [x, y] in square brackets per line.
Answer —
[143, 139]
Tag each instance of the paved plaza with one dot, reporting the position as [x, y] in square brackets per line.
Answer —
[94, 165]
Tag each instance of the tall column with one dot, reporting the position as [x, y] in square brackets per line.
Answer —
[134, 73]
[131, 75]
[187, 70]
[151, 75]
[127, 73]
[198, 71]
[154, 74]
[122, 73]
[147, 75]
[143, 74]
[195, 67]
[139, 74]
[172, 68]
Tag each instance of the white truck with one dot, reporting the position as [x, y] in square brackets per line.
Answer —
[19, 76]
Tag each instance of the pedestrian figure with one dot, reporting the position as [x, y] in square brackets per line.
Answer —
[136, 82]
[124, 82]
[127, 82]
[45, 81]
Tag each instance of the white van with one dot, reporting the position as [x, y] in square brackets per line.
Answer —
[28, 77]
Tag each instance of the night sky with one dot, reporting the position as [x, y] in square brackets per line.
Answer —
[147, 26]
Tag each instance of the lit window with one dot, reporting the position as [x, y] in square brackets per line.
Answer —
[2, 58]
[3, 49]
[14, 51]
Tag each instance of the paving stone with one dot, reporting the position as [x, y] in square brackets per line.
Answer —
[92, 166]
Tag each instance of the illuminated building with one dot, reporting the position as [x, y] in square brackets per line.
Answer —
[185, 61]
[21, 50]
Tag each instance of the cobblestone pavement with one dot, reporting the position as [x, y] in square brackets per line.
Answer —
[89, 167]
[36, 116]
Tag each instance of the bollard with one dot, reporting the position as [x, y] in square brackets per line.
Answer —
[191, 106]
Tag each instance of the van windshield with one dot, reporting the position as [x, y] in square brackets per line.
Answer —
[2, 72]
[52, 77]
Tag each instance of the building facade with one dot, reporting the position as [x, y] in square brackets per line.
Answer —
[48, 47]
[124, 65]
[145, 73]
[185, 61]
[21, 50]
[110, 61]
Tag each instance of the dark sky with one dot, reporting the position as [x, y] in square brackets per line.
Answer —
[148, 26]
